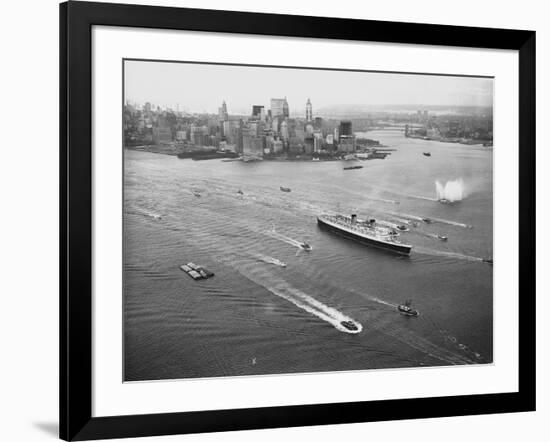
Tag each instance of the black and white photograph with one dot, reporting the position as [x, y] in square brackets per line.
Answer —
[284, 220]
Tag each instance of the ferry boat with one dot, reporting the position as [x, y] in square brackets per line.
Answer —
[364, 231]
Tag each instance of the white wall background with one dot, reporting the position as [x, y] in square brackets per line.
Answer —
[29, 218]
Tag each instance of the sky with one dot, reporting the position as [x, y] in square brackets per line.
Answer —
[202, 87]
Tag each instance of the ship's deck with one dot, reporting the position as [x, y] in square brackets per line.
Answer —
[360, 226]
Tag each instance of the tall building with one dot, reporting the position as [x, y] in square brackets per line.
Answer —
[318, 123]
[345, 129]
[317, 141]
[258, 112]
[226, 130]
[224, 116]
[284, 130]
[278, 107]
[346, 139]
[252, 144]
[237, 135]
[286, 111]
[309, 111]
[309, 145]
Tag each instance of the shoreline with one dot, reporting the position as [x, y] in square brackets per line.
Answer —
[171, 151]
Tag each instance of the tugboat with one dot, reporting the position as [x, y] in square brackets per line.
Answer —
[442, 237]
[406, 309]
[349, 325]
[284, 189]
[427, 154]
[240, 192]
[304, 245]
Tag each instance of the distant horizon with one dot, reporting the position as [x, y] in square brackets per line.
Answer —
[202, 87]
[361, 108]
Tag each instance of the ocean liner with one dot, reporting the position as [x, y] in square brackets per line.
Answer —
[364, 231]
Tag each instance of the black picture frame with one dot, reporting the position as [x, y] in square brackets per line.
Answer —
[76, 21]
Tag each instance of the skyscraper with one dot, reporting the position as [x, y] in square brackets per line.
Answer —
[286, 111]
[346, 140]
[258, 112]
[278, 107]
[284, 130]
[224, 116]
[345, 128]
[309, 111]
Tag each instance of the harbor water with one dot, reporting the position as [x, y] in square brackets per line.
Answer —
[257, 316]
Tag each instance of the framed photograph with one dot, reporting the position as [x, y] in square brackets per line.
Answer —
[272, 221]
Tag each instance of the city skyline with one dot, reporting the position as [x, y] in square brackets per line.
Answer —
[241, 87]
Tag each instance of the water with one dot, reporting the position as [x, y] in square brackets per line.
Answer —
[257, 316]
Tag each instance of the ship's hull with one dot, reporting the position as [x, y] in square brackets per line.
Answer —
[393, 247]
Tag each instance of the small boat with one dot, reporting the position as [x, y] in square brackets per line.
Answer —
[240, 192]
[488, 260]
[402, 227]
[427, 154]
[442, 237]
[353, 167]
[427, 220]
[279, 263]
[306, 247]
[197, 194]
[349, 325]
[284, 189]
[406, 309]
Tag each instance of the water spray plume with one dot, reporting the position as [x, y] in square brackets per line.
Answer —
[452, 191]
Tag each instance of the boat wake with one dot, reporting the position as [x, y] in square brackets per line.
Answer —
[285, 239]
[305, 302]
[144, 212]
[452, 223]
[452, 255]
[269, 260]
[431, 219]
[418, 197]
[401, 194]
[431, 235]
